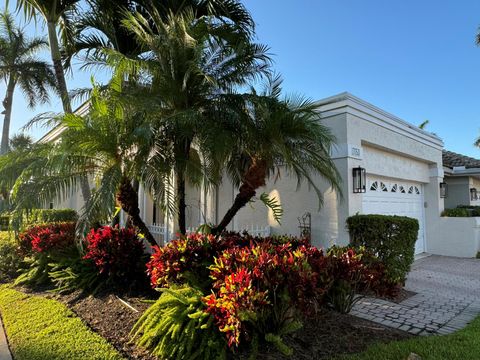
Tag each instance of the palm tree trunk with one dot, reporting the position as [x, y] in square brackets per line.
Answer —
[128, 199]
[254, 178]
[181, 203]
[62, 90]
[58, 66]
[7, 104]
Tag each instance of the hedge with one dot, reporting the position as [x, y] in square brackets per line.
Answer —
[462, 211]
[10, 259]
[4, 222]
[392, 238]
[42, 216]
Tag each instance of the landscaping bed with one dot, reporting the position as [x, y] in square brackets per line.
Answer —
[106, 315]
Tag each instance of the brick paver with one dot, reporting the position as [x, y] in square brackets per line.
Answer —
[447, 299]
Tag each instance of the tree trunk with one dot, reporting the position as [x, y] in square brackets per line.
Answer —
[58, 67]
[254, 178]
[128, 199]
[181, 191]
[181, 204]
[63, 91]
[7, 104]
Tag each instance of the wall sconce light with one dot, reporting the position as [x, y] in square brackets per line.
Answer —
[473, 194]
[443, 189]
[359, 180]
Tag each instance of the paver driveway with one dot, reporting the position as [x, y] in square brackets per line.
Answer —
[448, 297]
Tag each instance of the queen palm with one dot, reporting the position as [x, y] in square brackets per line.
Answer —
[113, 144]
[20, 66]
[184, 69]
[267, 135]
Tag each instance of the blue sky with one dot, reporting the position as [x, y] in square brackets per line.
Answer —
[415, 59]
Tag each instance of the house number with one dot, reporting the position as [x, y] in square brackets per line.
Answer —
[355, 151]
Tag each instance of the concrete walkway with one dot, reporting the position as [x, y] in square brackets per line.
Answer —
[4, 351]
[447, 299]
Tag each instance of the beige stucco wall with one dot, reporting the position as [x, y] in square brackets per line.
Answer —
[455, 237]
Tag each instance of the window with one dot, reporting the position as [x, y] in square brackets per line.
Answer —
[417, 190]
[394, 188]
[374, 186]
[383, 187]
[402, 189]
[410, 190]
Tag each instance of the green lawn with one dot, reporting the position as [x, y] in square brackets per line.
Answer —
[42, 329]
[462, 345]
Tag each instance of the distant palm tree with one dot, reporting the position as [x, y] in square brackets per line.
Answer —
[20, 66]
[271, 135]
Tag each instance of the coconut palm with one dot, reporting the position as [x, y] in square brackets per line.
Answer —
[184, 69]
[270, 135]
[20, 66]
[113, 143]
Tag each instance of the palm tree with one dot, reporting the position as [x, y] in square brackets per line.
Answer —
[113, 143]
[184, 69]
[101, 25]
[20, 66]
[56, 13]
[271, 135]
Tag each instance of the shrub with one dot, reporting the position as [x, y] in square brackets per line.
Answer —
[10, 259]
[42, 216]
[47, 237]
[457, 212]
[4, 222]
[390, 238]
[177, 327]
[117, 253]
[45, 245]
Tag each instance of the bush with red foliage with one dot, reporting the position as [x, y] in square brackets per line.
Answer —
[47, 237]
[117, 253]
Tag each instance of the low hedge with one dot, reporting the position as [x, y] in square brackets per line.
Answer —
[43, 329]
[4, 222]
[10, 259]
[42, 216]
[462, 211]
[391, 238]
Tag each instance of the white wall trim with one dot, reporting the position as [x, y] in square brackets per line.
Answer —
[353, 105]
[341, 151]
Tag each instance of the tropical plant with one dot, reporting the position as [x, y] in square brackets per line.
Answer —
[113, 144]
[185, 67]
[20, 66]
[177, 327]
[100, 26]
[270, 135]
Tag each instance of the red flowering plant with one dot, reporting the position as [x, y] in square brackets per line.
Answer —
[116, 253]
[48, 237]
[275, 281]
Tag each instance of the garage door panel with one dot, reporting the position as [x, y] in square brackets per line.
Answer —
[391, 197]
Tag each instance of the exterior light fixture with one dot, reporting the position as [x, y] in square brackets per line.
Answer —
[443, 189]
[359, 180]
[473, 194]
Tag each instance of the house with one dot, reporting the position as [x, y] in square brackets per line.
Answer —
[462, 177]
[388, 166]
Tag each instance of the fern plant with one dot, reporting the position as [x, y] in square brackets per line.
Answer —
[177, 327]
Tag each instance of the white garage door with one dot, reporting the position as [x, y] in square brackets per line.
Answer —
[390, 197]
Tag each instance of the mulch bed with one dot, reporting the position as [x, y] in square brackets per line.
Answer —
[113, 320]
[323, 336]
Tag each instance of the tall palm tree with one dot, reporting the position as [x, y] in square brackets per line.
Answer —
[56, 13]
[185, 66]
[113, 143]
[267, 135]
[20, 66]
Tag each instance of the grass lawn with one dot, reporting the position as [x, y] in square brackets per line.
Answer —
[41, 329]
[464, 344]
